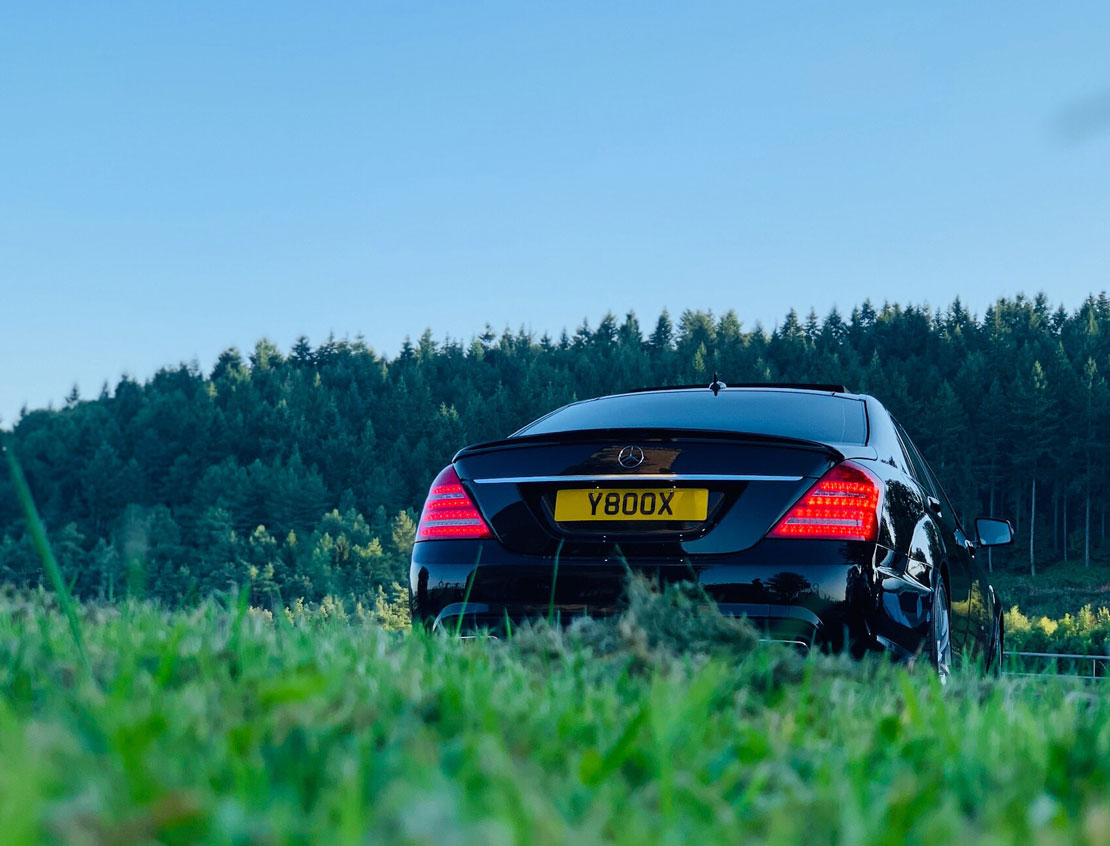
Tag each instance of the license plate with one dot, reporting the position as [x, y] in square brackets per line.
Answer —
[594, 504]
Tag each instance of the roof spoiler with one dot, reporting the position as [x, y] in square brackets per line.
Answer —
[797, 386]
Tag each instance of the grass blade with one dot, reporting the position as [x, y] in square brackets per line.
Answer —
[466, 596]
[42, 548]
[554, 579]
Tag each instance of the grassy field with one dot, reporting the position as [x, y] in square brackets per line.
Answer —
[669, 725]
[132, 724]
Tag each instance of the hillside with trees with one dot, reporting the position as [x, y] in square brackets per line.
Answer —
[300, 474]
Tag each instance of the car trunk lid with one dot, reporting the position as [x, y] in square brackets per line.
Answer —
[685, 491]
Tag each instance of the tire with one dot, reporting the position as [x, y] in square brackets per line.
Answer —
[940, 639]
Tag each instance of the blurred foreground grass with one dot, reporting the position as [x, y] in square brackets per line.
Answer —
[669, 725]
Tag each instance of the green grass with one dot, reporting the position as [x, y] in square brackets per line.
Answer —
[669, 725]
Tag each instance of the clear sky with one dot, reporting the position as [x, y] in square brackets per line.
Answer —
[176, 178]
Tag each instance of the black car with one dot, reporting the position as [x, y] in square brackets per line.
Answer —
[806, 509]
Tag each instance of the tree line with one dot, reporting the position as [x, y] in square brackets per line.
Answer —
[300, 474]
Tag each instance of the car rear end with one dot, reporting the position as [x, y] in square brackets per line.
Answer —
[763, 496]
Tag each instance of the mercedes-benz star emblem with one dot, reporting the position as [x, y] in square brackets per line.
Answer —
[631, 456]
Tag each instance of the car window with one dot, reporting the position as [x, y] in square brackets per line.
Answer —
[795, 414]
[949, 512]
[928, 479]
[913, 460]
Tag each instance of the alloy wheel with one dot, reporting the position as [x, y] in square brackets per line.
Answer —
[942, 633]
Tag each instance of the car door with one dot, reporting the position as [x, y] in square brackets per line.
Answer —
[980, 617]
[957, 549]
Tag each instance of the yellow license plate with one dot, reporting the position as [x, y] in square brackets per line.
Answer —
[590, 504]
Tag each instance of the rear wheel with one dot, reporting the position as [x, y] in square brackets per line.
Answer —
[941, 640]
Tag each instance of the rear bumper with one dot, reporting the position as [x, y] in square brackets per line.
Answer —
[826, 593]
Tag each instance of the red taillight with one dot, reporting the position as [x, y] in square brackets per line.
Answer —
[843, 505]
[449, 512]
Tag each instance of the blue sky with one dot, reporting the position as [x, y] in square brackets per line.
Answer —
[177, 178]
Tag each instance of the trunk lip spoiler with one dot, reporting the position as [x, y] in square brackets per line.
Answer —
[636, 477]
[653, 434]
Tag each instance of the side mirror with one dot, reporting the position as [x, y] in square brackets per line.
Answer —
[993, 531]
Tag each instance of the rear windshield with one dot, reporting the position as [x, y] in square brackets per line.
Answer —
[810, 416]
